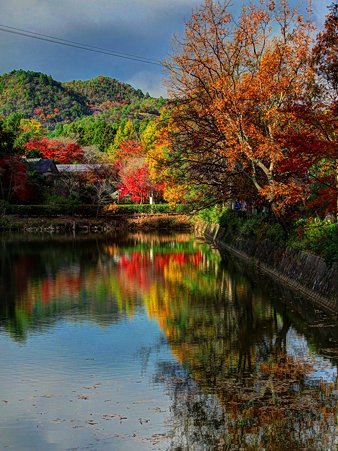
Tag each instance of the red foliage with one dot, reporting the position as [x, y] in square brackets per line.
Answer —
[130, 149]
[14, 181]
[63, 152]
[135, 182]
[134, 172]
[309, 166]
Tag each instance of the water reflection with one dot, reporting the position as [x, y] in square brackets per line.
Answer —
[248, 373]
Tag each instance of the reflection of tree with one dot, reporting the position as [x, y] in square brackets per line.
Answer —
[237, 415]
[103, 280]
[251, 393]
[236, 385]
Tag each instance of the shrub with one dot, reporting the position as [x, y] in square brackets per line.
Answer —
[250, 226]
[211, 215]
[276, 233]
[316, 235]
[232, 221]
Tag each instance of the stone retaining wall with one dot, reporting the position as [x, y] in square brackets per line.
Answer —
[303, 271]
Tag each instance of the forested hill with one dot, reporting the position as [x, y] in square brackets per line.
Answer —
[40, 96]
[103, 92]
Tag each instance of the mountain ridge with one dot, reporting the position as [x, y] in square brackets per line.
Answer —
[40, 96]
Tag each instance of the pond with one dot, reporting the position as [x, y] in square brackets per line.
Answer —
[145, 342]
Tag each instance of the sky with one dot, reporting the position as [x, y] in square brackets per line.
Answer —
[139, 27]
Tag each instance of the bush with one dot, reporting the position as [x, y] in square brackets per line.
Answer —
[232, 221]
[251, 226]
[316, 235]
[142, 208]
[211, 215]
[3, 207]
[238, 224]
[56, 204]
[276, 233]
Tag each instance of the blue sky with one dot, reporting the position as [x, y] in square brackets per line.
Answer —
[141, 27]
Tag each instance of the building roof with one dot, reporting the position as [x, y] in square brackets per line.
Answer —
[80, 168]
[41, 165]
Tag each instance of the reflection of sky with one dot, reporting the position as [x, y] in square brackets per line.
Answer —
[298, 347]
[97, 378]
[70, 387]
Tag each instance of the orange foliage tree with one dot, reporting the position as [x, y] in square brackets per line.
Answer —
[234, 83]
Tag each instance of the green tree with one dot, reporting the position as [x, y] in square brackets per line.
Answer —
[125, 132]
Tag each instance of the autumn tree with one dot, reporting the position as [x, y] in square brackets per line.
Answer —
[233, 82]
[310, 137]
[29, 129]
[326, 50]
[15, 184]
[7, 140]
[101, 181]
[125, 132]
[325, 55]
[61, 151]
[135, 180]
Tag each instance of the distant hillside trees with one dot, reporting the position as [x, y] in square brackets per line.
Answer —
[39, 96]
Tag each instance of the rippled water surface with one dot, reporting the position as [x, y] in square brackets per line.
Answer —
[152, 342]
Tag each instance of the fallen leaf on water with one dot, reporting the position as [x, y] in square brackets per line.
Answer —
[143, 420]
[113, 415]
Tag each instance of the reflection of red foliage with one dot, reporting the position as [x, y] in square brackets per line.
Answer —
[61, 151]
[139, 266]
[180, 258]
[136, 274]
[14, 179]
[64, 283]
[136, 267]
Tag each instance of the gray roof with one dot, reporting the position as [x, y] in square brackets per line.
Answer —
[41, 165]
[80, 168]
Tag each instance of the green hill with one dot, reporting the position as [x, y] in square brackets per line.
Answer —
[103, 92]
[40, 96]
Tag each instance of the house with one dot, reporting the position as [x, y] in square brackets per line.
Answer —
[100, 178]
[44, 167]
[81, 168]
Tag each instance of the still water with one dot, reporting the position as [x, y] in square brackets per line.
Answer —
[152, 342]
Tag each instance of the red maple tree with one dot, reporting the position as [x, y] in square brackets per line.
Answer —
[63, 152]
[14, 181]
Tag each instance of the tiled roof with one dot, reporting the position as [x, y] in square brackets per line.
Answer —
[78, 168]
[43, 166]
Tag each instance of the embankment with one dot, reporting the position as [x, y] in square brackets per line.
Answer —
[303, 271]
[117, 223]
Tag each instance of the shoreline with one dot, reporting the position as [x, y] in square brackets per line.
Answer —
[104, 224]
[299, 270]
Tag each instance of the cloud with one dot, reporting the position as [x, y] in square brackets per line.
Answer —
[141, 27]
[147, 81]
